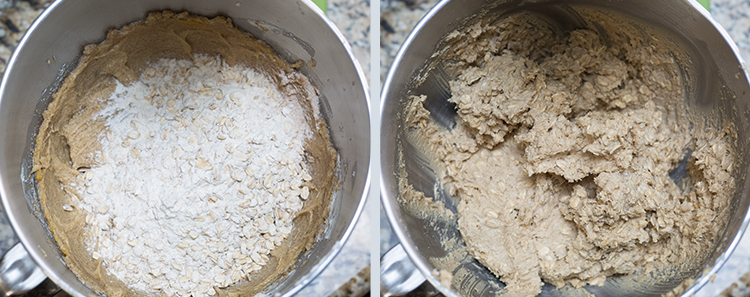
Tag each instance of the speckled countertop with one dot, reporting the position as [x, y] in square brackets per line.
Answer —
[348, 274]
[398, 17]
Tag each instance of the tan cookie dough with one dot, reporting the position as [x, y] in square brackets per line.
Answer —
[69, 136]
[562, 153]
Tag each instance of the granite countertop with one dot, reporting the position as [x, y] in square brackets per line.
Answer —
[397, 19]
[348, 274]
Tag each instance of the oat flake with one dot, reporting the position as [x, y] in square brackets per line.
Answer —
[199, 176]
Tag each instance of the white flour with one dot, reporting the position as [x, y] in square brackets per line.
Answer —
[199, 177]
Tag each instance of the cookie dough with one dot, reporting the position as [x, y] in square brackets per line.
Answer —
[567, 152]
[70, 134]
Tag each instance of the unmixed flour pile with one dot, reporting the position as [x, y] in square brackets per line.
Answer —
[562, 154]
[183, 176]
[199, 173]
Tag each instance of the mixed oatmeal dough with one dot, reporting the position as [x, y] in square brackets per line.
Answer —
[566, 151]
[70, 139]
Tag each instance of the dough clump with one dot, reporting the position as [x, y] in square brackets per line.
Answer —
[566, 151]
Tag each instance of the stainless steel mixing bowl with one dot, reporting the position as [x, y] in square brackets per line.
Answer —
[720, 83]
[296, 29]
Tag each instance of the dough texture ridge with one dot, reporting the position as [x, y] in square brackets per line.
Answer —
[564, 154]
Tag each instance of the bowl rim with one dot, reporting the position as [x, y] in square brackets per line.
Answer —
[389, 200]
[41, 259]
